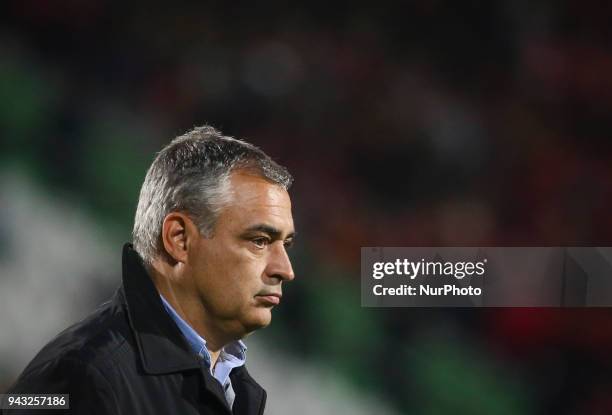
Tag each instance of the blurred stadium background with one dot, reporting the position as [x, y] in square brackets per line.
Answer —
[427, 123]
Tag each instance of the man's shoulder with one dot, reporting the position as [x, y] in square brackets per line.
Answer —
[93, 342]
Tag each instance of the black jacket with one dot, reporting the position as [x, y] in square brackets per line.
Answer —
[129, 357]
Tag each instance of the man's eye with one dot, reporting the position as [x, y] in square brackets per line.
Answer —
[260, 242]
[288, 243]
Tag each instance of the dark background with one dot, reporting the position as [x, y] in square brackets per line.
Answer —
[424, 123]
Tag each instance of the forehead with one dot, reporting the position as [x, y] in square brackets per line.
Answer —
[255, 200]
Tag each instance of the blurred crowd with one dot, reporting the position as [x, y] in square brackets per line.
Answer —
[421, 124]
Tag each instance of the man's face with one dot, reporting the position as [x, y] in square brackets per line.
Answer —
[238, 272]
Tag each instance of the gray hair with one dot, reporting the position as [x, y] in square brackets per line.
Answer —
[191, 175]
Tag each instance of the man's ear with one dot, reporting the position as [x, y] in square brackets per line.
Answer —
[178, 235]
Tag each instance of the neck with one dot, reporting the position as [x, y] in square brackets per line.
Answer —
[186, 304]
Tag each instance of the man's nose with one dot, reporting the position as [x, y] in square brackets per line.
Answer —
[279, 264]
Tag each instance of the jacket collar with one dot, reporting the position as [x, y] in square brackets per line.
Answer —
[250, 396]
[161, 345]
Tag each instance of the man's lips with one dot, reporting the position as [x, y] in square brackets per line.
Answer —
[271, 299]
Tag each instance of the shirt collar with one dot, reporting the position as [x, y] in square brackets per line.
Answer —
[232, 355]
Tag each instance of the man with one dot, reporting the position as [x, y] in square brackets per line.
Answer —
[209, 258]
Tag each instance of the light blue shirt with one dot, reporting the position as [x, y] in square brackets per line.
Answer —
[231, 356]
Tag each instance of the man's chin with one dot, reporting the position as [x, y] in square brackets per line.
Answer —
[261, 319]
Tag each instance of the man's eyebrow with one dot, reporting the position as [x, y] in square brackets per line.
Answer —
[270, 230]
